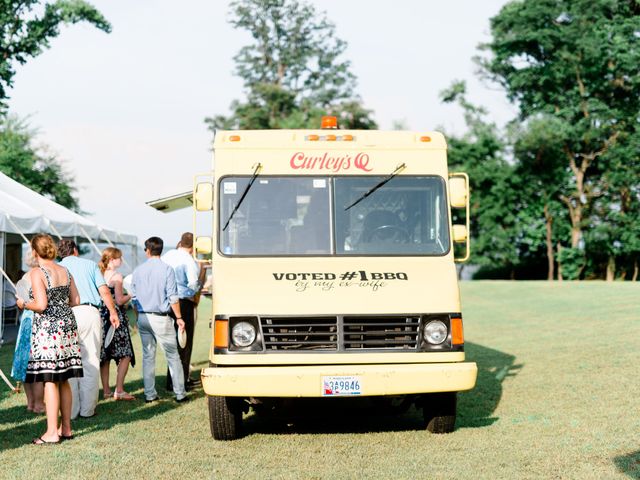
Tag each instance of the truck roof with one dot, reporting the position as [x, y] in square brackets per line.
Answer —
[329, 139]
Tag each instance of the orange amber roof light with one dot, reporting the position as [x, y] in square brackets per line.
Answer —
[329, 121]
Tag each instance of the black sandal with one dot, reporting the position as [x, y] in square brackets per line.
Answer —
[41, 441]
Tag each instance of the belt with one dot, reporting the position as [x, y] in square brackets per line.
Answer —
[155, 313]
[91, 305]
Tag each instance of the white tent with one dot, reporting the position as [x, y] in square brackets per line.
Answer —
[24, 212]
[58, 220]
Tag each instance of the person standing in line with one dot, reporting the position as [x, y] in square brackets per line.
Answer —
[120, 349]
[189, 278]
[92, 288]
[55, 354]
[35, 390]
[154, 288]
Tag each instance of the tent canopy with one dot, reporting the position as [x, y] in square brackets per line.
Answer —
[24, 211]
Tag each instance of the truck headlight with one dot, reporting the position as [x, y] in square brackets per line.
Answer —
[243, 334]
[435, 332]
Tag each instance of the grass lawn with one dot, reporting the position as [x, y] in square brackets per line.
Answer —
[558, 396]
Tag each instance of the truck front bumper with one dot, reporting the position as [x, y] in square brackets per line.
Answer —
[307, 381]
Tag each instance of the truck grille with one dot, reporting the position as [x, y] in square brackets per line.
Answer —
[388, 332]
[307, 333]
[340, 333]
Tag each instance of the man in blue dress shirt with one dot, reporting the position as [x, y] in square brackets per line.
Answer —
[189, 279]
[154, 287]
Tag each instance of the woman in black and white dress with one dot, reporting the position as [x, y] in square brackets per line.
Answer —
[55, 353]
[120, 349]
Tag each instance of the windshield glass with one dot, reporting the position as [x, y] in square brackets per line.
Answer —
[407, 215]
[308, 216]
[279, 216]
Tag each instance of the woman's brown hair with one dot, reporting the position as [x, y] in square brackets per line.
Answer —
[44, 246]
[109, 253]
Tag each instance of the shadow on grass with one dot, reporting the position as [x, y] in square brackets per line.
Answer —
[366, 414]
[476, 407]
[629, 464]
[332, 415]
[109, 413]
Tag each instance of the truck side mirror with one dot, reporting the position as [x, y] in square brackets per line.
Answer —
[203, 245]
[458, 191]
[203, 197]
[460, 233]
[459, 198]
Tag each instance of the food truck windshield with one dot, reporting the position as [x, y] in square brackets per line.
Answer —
[333, 216]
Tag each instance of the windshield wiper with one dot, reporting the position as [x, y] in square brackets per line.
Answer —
[244, 194]
[371, 190]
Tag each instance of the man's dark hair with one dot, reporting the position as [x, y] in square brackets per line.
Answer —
[66, 248]
[154, 245]
[186, 241]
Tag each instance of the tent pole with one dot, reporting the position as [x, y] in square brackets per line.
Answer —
[91, 241]
[124, 243]
[2, 244]
[4, 274]
[18, 229]
[55, 230]
[2, 238]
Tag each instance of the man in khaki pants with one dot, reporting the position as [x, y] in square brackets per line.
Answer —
[91, 287]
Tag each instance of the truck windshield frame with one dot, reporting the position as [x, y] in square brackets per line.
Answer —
[306, 216]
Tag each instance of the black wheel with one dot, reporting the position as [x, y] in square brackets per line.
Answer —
[225, 417]
[440, 412]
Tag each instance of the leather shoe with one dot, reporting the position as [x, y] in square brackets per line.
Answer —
[150, 400]
[182, 400]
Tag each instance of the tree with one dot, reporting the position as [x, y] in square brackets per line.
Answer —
[540, 168]
[577, 62]
[480, 152]
[22, 161]
[26, 26]
[293, 71]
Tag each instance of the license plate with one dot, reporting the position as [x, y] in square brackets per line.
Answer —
[341, 386]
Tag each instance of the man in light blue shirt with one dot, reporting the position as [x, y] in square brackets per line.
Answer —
[154, 287]
[93, 291]
[189, 278]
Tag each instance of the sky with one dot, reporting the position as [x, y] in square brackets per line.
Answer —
[124, 111]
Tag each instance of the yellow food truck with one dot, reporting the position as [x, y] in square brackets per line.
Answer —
[333, 270]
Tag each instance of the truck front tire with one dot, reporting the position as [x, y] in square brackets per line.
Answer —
[225, 417]
[440, 411]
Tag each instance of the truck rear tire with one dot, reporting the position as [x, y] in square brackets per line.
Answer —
[440, 412]
[225, 417]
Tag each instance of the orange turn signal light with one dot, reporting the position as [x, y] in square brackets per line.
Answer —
[329, 121]
[234, 138]
[221, 334]
[457, 333]
[425, 138]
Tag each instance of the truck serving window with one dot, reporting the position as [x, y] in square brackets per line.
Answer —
[293, 216]
[405, 216]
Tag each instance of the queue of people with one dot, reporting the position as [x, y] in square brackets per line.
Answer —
[74, 323]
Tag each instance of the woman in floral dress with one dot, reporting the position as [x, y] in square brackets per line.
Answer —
[55, 353]
[120, 349]
[34, 391]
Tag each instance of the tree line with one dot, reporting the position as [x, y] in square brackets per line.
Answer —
[26, 28]
[555, 193]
